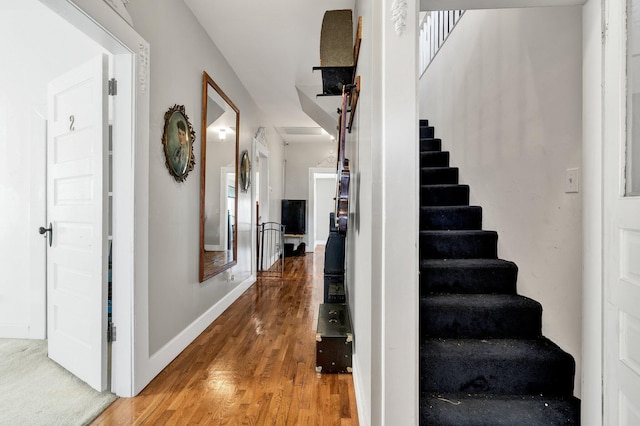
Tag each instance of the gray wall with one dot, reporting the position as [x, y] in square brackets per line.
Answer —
[180, 51]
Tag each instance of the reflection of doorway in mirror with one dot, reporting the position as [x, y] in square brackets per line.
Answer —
[261, 183]
[227, 208]
[324, 193]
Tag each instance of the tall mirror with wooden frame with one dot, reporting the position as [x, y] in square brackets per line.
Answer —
[218, 180]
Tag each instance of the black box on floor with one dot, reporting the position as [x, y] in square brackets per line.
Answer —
[334, 339]
[334, 250]
[334, 289]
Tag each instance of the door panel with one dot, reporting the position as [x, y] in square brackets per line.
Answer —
[621, 222]
[76, 208]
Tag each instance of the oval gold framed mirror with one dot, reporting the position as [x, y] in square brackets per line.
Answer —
[218, 180]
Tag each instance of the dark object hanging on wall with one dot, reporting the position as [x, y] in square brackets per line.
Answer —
[336, 51]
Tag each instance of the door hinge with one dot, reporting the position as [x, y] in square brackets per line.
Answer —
[111, 332]
[113, 87]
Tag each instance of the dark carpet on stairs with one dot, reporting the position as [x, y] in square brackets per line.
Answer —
[483, 358]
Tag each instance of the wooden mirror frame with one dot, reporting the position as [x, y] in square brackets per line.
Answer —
[206, 82]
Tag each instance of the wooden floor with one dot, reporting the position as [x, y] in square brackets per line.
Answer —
[255, 365]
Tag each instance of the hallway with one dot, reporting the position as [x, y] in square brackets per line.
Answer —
[254, 365]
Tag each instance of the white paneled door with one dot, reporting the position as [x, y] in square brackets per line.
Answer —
[77, 166]
[621, 215]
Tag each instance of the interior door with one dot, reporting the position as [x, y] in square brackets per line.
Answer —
[76, 216]
[621, 215]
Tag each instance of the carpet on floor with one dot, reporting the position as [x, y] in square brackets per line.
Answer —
[37, 391]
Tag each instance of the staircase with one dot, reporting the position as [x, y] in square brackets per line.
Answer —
[483, 359]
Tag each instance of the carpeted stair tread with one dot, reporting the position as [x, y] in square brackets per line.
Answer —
[452, 409]
[444, 195]
[450, 218]
[424, 122]
[430, 144]
[439, 175]
[480, 316]
[495, 366]
[472, 244]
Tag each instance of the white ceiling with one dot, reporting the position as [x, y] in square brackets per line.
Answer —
[272, 46]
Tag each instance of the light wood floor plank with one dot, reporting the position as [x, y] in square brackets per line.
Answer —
[254, 365]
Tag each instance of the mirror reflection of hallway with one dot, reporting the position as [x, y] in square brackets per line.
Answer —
[324, 203]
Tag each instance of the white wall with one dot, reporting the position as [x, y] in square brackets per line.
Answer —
[382, 252]
[325, 191]
[505, 96]
[276, 173]
[180, 306]
[300, 157]
[37, 46]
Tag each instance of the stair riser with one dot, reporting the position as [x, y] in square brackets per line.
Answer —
[479, 322]
[426, 132]
[434, 195]
[455, 246]
[453, 218]
[439, 176]
[476, 374]
[424, 122]
[430, 145]
[432, 282]
[447, 278]
[434, 159]
[444, 409]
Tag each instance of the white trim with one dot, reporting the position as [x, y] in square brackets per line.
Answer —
[18, 331]
[160, 359]
[311, 222]
[37, 328]
[592, 215]
[224, 204]
[364, 418]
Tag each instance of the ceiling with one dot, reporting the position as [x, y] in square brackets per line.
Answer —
[272, 46]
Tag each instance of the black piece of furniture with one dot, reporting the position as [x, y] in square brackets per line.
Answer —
[334, 251]
[334, 290]
[334, 339]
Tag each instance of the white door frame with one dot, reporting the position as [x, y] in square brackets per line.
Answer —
[130, 182]
[225, 172]
[313, 171]
[260, 157]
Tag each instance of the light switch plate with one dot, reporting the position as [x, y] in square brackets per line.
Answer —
[572, 181]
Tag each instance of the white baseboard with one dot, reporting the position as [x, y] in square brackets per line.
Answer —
[364, 413]
[159, 360]
[212, 247]
[14, 332]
